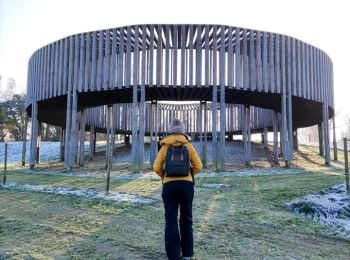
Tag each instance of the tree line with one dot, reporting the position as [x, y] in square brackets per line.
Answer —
[13, 117]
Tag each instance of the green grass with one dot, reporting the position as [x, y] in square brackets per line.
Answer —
[247, 221]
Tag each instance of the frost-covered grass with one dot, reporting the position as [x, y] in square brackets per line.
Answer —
[50, 151]
[90, 193]
[234, 218]
[330, 207]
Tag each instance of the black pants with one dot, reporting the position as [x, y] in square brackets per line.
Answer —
[175, 194]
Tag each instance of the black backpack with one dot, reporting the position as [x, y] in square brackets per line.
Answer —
[177, 161]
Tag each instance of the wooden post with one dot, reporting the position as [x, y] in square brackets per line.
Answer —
[320, 139]
[24, 138]
[200, 129]
[346, 161]
[326, 134]
[33, 134]
[62, 138]
[265, 141]
[77, 138]
[38, 144]
[108, 129]
[110, 123]
[153, 134]
[275, 136]
[205, 145]
[95, 139]
[214, 128]
[113, 127]
[82, 137]
[73, 137]
[91, 154]
[5, 165]
[335, 150]
[295, 140]
[246, 135]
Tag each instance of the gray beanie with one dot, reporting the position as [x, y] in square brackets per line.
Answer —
[176, 127]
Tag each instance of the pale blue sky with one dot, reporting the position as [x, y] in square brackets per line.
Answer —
[26, 25]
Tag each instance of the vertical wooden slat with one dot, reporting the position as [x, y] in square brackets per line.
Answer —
[272, 63]
[190, 64]
[230, 59]
[151, 54]
[167, 55]
[57, 67]
[307, 75]
[61, 68]
[87, 70]
[265, 64]
[100, 62]
[238, 67]
[258, 61]
[93, 62]
[199, 57]
[106, 66]
[52, 70]
[175, 48]
[81, 63]
[113, 66]
[159, 56]
[121, 58]
[207, 61]
[298, 80]
[277, 64]
[294, 67]
[245, 61]
[252, 61]
[183, 55]
[128, 59]
[76, 62]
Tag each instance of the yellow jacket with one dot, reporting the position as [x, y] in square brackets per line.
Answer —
[177, 140]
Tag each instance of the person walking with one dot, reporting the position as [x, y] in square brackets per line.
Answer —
[177, 162]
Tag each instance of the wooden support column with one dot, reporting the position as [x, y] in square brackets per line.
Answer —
[113, 128]
[222, 101]
[153, 135]
[214, 129]
[91, 150]
[134, 132]
[38, 144]
[247, 136]
[62, 137]
[335, 150]
[265, 140]
[326, 134]
[205, 145]
[24, 139]
[275, 136]
[295, 140]
[320, 139]
[73, 135]
[82, 137]
[68, 130]
[34, 134]
[285, 106]
[94, 145]
[109, 125]
[108, 129]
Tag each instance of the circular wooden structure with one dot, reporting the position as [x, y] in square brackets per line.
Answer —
[136, 66]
